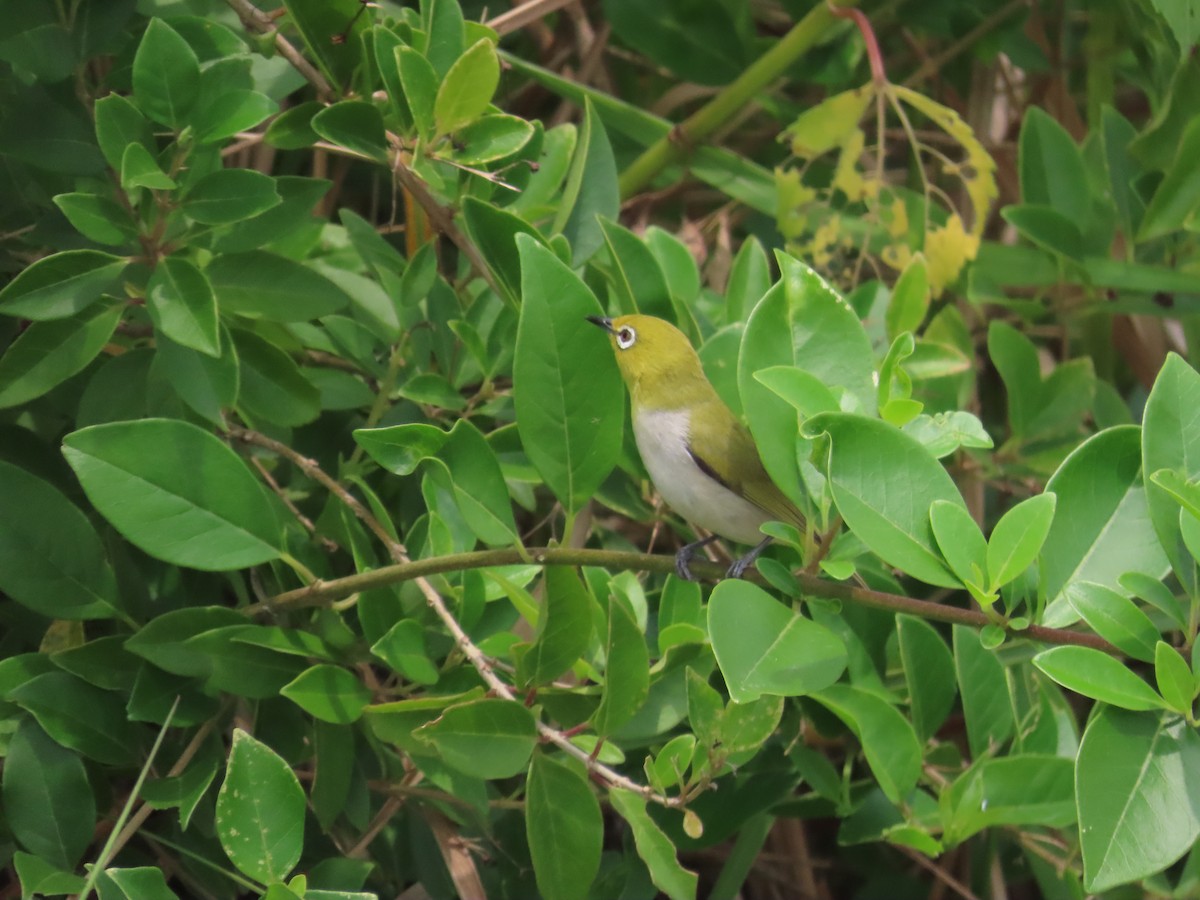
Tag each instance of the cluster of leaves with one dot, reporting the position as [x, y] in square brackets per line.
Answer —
[309, 582]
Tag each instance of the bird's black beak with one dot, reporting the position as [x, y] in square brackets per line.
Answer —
[603, 322]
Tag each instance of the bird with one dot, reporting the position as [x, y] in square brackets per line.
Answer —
[701, 458]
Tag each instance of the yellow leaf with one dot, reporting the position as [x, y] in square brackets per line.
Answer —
[830, 123]
[846, 177]
[947, 250]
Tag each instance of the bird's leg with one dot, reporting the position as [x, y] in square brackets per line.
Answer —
[741, 564]
[685, 554]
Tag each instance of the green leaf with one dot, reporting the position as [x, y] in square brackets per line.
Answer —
[421, 84]
[400, 448]
[490, 138]
[1177, 196]
[208, 385]
[81, 716]
[166, 75]
[961, 542]
[467, 88]
[48, 353]
[40, 878]
[97, 218]
[654, 847]
[260, 811]
[626, 670]
[563, 826]
[229, 112]
[884, 483]
[141, 883]
[1115, 618]
[356, 125]
[763, 647]
[1170, 440]
[1051, 167]
[51, 559]
[48, 802]
[484, 738]
[928, 672]
[182, 305]
[479, 487]
[749, 279]
[590, 191]
[192, 502]
[635, 275]
[1095, 674]
[1102, 525]
[61, 284]
[120, 123]
[887, 739]
[260, 284]
[494, 231]
[230, 195]
[333, 32]
[987, 705]
[910, 298]
[566, 388]
[272, 386]
[1018, 538]
[1016, 790]
[1047, 227]
[800, 322]
[329, 693]
[564, 628]
[1174, 678]
[292, 128]
[140, 170]
[677, 263]
[403, 648]
[713, 48]
[1134, 779]
[443, 23]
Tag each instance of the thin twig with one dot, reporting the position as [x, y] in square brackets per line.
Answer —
[256, 20]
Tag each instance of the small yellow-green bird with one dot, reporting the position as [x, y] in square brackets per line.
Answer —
[700, 457]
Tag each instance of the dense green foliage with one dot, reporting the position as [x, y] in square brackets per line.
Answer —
[326, 560]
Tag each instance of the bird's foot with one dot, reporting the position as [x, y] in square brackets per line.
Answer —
[742, 563]
[684, 556]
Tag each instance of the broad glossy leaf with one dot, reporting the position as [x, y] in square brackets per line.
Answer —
[1051, 167]
[1115, 618]
[329, 693]
[1095, 674]
[1102, 524]
[749, 279]
[403, 648]
[1171, 440]
[987, 705]
[564, 628]
[166, 75]
[208, 385]
[1174, 677]
[567, 391]
[139, 169]
[51, 559]
[61, 284]
[1018, 537]
[1134, 778]
[928, 671]
[884, 483]
[590, 191]
[356, 125]
[229, 112]
[182, 305]
[485, 738]
[1178, 194]
[1015, 790]
[319, 21]
[961, 542]
[141, 883]
[654, 847]
[48, 802]
[763, 647]
[97, 218]
[713, 48]
[491, 138]
[230, 195]
[81, 716]
[266, 285]
[635, 275]
[479, 486]
[120, 123]
[800, 322]
[467, 88]
[495, 231]
[272, 387]
[192, 501]
[420, 88]
[260, 811]
[910, 298]
[563, 826]
[626, 670]
[48, 353]
[400, 448]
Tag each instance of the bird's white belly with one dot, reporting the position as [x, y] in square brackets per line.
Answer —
[662, 440]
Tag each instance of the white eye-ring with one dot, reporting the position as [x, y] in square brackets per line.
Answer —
[626, 337]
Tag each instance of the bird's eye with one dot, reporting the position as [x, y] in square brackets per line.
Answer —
[626, 337]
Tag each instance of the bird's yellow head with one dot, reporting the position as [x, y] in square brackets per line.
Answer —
[657, 361]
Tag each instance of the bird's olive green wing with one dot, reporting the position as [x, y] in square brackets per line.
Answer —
[725, 451]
